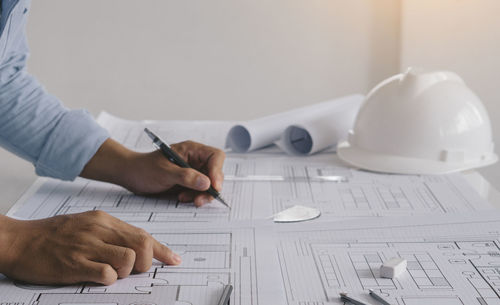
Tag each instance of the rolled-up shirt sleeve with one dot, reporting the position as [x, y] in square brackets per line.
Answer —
[34, 124]
[37, 127]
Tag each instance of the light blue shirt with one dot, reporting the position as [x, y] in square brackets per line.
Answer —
[34, 124]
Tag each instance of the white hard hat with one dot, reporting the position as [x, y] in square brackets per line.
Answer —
[420, 123]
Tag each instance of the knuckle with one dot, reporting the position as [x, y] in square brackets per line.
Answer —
[144, 239]
[190, 145]
[180, 147]
[220, 153]
[74, 257]
[128, 256]
[98, 214]
[142, 232]
[144, 249]
[143, 265]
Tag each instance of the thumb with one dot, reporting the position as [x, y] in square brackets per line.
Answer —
[190, 178]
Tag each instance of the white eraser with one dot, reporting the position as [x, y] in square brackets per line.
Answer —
[393, 267]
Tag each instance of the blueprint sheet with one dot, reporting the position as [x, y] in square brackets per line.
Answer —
[212, 258]
[452, 260]
[304, 182]
[360, 194]
[131, 133]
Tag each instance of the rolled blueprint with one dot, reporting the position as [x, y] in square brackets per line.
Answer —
[322, 132]
[268, 130]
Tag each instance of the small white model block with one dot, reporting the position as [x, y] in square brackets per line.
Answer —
[393, 268]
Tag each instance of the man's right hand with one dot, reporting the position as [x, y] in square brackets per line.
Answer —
[86, 247]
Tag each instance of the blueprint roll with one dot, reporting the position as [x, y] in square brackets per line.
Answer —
[262, 132]
[320, 133]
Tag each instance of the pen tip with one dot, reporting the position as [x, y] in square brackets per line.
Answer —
[223, 201]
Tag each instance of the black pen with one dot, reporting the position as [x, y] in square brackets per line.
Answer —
[173, 157]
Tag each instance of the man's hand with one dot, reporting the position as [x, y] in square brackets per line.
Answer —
[150, 173]
[86, 247]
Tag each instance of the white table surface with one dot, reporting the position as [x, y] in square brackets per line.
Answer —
[17, 175]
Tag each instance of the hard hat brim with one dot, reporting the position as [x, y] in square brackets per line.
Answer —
[384, 163]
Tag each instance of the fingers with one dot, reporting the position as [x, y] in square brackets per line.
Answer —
[86, 247]
[122, 259]
[126, 247]
[164, 254]
[146, 247]
[142, 243]
[101, 273]
[206, 158]
[198, 198]
[189, 178]
[215, 164]
[201, 199]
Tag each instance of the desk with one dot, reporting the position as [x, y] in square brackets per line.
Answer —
[249, 254]
[16, 177]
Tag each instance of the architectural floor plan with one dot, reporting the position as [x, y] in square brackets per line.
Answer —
[365, 219]
[353, 194]
[452, 260]
[211, 259]
[443, 267]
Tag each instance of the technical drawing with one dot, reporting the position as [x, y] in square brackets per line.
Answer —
[439, 272]
[210, 261]
[369, 195]
[293, 264]
[359, 194]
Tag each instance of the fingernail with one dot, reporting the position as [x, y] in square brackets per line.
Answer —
[177, 258]
[201, 183]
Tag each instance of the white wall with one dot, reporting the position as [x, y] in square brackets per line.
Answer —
[238, 59]
[221, 59]
[199, 59]
[461, 36]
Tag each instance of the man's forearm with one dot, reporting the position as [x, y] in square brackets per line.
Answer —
[6, 241]
[111, 163]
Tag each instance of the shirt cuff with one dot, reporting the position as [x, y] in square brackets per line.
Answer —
[73, 142]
